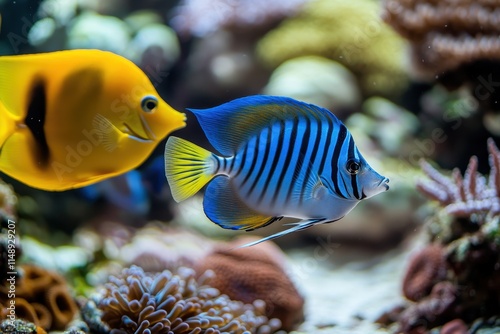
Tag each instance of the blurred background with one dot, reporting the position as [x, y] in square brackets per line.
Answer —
[411, 80]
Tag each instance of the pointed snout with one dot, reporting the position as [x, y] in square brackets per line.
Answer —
[377, 185]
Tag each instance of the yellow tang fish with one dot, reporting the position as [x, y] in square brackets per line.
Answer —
[73, 118]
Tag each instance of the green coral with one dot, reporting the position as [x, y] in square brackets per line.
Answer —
[350, 32]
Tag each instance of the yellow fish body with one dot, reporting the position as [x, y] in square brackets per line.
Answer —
[73, 118]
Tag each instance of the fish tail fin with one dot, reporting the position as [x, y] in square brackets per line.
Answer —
[188, 167]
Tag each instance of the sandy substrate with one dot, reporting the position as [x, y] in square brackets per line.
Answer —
[345, 291]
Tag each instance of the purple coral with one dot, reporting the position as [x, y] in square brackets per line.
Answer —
[137, 302]
[202, 17]
[467, 229]
[471, 194]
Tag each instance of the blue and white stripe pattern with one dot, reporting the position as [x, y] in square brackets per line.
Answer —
[281, 157]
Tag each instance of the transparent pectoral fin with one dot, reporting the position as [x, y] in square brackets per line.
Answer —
[223, 206]
[296, 227]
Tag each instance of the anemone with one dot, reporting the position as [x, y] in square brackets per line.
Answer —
[157, 303]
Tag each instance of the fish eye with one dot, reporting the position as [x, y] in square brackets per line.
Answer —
[353, 166]
[149, 103]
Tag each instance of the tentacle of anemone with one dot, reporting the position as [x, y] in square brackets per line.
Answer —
[136, 302]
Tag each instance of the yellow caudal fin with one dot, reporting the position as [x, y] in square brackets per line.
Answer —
[188, 167]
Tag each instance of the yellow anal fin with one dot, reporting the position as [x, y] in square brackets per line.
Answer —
[223, 206]
[188, 167]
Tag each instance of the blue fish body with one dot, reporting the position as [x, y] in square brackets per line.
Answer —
[279, 157]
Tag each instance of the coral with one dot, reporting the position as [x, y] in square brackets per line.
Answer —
[153, 247]
[42, 297]
[256, 273]
[426, 268]
[8, 201]
[486, 326]
[19, 326]
[455, 42]
[62, 259]
[61, 305]
[137, 302]
[316, 80]
[434, 310]
[350, 32]
[465, 232]
[387, 124]
[202, 17]
[154, 47]
[456, 326]
[141, 36]
[94, 31]
[473, 196]
[445, 34]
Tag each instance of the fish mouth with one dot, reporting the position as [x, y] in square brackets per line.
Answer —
[384, 183]
[134, 135]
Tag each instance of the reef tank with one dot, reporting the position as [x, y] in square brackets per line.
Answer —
[236, 166]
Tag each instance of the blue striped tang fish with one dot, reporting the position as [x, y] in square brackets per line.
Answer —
[279, 158]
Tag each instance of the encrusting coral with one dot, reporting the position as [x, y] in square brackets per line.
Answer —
[455, 326]
[19, 326]
[256, 273]
[426, 268]
[434, 310]
[461, 267]
[350, 32]
[139, 302]
[42, 297]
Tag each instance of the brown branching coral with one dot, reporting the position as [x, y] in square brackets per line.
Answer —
[137, 302]
[446, 34]
[426, 268]
[256, 274]
[42, 297]
[456, 42]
